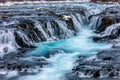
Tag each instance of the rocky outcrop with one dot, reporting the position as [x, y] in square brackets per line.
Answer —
[111, 32]
[40, 23]
[109, 27]
[22, 64]
[107, 17]
[105, 64]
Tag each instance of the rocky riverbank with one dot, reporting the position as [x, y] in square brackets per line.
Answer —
[105, 65]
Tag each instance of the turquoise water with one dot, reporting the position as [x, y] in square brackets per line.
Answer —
[82, 43]
[64, 61]
[67, 50]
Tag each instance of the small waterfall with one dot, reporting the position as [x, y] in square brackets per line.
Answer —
[7, 42]
[76, 23]
[40, 28]
[51, 31]
[80, 19]
[64, 31]
[95, 21]
[112, 30]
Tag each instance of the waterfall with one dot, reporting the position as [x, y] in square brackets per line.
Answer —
[53, 30]
[40, 28]
[64, 31]
[112, 30]
[95, 21]
[57, 32]
[76, 23]
[7, 42]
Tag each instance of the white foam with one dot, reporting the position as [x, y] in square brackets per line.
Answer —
[11, 74]
[4, 23]
[8, 73]
[111, 30]
[60, 64]
[7, 42]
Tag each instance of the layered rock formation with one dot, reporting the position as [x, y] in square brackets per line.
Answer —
[106, 63]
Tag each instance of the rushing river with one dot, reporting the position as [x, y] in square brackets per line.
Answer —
[67, 53]
[60, 53]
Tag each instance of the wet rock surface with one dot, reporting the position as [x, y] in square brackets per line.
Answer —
[32, 24]
[41, 23]
[24, 25]
[109, 16]
[13, 68]
[109, 26]
[105, 64]
[20, 62]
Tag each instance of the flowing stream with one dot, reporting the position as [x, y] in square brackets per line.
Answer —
[61, 54]
[67, 53]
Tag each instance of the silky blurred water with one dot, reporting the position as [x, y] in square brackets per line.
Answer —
[64, 60]
[82, 43]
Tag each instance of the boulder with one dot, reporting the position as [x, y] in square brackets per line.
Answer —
[96, 74]
[106, 65]
[4, 17]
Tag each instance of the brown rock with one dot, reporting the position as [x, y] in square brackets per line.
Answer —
[4, 17]
[108, 20]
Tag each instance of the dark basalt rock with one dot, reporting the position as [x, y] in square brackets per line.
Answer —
[96, 74]
[111, 74]
[109, 16]
[23, 41]
[106, 64]
[33, 24]
[110, 33]
[96, 39]
[107, 58]
[29, 31]
[23, 65]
